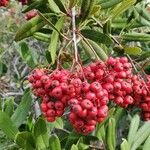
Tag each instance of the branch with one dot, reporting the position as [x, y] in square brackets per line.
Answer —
[74, 34]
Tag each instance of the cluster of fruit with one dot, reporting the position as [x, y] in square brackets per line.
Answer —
[86, 93]
[4, 3]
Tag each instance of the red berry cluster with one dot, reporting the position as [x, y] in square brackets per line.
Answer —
[53, 91]
[144, 99]
[31, 14]
[4, 3]
[89, 107]
[87, 92]
[60, 89]
[114, 76]
[123, 86]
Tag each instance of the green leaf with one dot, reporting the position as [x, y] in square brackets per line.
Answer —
[136, 37]
[146, 145]
[60, 5]
[82, 146]
[29, 28]
[122, 7]
[142, 12]
[133, 129]
[9, 106]
[54, 143]
[74, 147]
[87, 8]
[35, 5]
[47, 20]
[7, 126]
[96, 36]
[54, 39]
[141, 135]
[57, 124]
[100, 132]
[88, 50]
[25, 140]
[125, 145]
[29, 56]
[132, 50]
[53, 6]
[144, 55]
[110, 3]
[99, 51]
[41, 134]
[41, 36]
[22, 110]
[111, 134]
[1, 104]
[72, 139]
[119, 113]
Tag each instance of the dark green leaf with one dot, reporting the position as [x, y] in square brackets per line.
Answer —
[110, 3]
[3, 68]
[41, 134]
[22, 110]
[48, 56]
[86, 8]
[35, 5]
[60, 5]
[25, 140]
[96, 36]
[89, 50]
[144, 55]
[29, 28]
[142, 12]
[72, 139]
[122, 7]
[54, 39]
[99, 51]
[134, 36]
[53, 6]
[7, 126]
[41, 36]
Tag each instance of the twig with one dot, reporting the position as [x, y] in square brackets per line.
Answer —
[74, 34]
[97, 22]
[132, 63]
[13, 94]
[15, 68]
[40, 14]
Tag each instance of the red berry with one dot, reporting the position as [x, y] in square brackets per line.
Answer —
[86, 104]
[51, 113]
[95, 86]
[59, 105]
